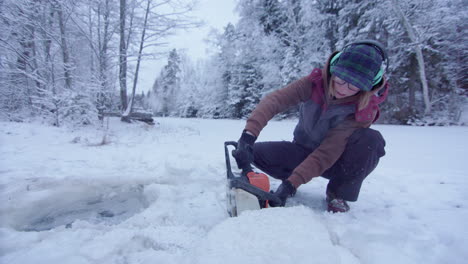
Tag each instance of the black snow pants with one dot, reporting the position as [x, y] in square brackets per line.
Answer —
[360, 157]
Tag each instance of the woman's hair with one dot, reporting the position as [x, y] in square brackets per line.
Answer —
[364, 99]
[363, 96]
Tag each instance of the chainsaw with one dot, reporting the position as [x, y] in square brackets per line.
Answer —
[246, 190]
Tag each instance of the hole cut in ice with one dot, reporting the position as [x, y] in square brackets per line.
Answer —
[109, 205]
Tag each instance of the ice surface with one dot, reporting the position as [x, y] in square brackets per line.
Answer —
[156, 194]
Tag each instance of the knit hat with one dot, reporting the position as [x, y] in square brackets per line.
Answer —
[358, 65]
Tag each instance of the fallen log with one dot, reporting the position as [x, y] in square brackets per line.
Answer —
[137, 116]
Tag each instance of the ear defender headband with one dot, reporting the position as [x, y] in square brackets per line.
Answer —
[380, 49]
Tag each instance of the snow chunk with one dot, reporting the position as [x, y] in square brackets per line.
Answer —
[275, 235]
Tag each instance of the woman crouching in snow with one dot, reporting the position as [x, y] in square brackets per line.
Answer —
[332, 138]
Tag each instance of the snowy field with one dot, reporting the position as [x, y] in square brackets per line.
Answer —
[156, 194]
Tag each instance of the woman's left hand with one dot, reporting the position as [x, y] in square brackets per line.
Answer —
[285, 190]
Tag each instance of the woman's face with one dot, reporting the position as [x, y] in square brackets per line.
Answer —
[343, 89]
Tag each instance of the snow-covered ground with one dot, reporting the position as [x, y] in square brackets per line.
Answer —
[156, 194]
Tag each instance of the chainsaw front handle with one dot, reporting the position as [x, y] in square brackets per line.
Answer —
[243, 182]
[246, 169]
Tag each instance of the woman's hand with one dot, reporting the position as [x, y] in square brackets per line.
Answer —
[244, 151]
[284, 191]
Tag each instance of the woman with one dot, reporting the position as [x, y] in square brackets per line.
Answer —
[332, 138]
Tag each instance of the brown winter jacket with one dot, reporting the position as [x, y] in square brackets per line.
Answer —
[324, 125]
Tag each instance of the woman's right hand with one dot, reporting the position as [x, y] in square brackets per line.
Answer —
[244, 151]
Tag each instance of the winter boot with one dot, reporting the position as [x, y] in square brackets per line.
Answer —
[336, 205]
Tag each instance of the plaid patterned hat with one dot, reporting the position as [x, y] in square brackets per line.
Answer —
[358, 65]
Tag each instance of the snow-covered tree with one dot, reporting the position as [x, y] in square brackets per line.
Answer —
[296, 36]
[167, 86]
[242, 58]
[59, 60]
[228, 46]
[55, 55]
[188, 97]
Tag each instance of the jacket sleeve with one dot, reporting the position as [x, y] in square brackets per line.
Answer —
[277, 102]
[327, 153]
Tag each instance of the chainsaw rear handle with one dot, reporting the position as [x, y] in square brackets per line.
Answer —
[243, 182]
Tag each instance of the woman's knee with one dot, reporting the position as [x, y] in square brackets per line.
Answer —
[278, 158]
[367, 138]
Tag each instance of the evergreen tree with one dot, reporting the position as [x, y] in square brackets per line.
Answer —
[228, 44]
[189, 95]
[167, 85]
[244, 66]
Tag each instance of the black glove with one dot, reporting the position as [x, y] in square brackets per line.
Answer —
[285, 190]
[244, 151]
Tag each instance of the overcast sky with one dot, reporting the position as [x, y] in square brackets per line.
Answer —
[216, 14]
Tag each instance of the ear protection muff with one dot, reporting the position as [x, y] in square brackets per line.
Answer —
[375, 44]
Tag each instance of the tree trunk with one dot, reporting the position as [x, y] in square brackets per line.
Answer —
[130, 25]
[103, 44]
[419, 56]
[48, 46]
[65, 51]
[413, 83]
[123, 57]
[91, 37]
[140, 52]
